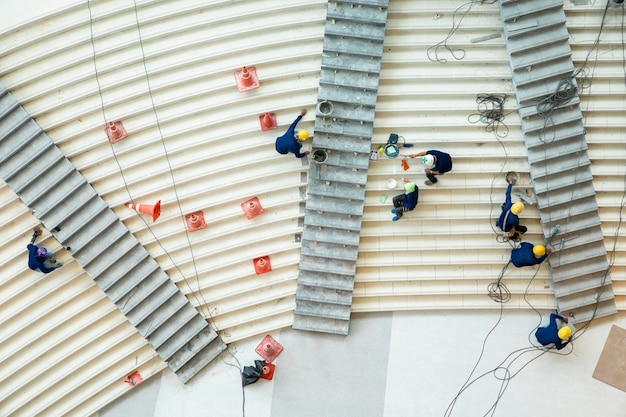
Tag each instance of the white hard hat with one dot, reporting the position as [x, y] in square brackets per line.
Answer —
[428, 160]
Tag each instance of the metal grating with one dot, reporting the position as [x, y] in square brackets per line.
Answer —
[47, 182]
[351, 60]
[537, 42]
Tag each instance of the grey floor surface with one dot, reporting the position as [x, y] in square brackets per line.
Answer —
[399, 364]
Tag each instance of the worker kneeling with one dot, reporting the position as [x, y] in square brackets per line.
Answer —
[552, 334]
[405, 202]
[528, 254]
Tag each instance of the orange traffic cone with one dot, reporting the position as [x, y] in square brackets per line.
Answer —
[405, 165]
[154, 211]
[195, 221]
[268, 121]
[135, 378]
[268, 371]
[262, 265]
[247, 79]
[115, 131]
[269, 349]
[252, 208]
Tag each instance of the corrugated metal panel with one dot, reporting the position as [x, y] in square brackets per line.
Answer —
[442, 256]
[551, 119]
[336, 189]
[82, 222]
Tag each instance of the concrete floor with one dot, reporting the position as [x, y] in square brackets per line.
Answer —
[399, 364]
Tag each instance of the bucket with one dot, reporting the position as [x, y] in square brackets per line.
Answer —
[392, 150]
[325, 108]
[512, 175]
[320, 156]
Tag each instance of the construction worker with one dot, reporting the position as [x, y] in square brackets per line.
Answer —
[436, 162]
[552, 334]
[405, 202]
[528, 254]
[290, 141]
[39, 258]
[509, 220]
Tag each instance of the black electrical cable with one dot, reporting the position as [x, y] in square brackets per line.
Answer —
[499, 237]
[500, 367]
[240, 368]
[564, 90]
[493, 180]
[508, 376]
[497, 291]
[205, 303]
[516, 355]
[600, 291]
[491, 113]
[603, 281]
[469, 380]
[100, 93]
[596, 42]
[433, 52]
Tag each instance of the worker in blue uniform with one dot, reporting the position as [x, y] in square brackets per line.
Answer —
[528, 254]
[290, 142]
[39, 258]
[553, 334]
[508, 221]
[405, 202]
[436, 162]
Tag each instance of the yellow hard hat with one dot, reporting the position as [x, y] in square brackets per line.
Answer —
[564, 333]
[539, 250]
[303, 134]
[517, 208]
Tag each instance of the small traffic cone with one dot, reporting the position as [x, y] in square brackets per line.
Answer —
[247, 79]
[154, 210]
[269, 349]
[405, 165]
[195, 221]
[262, 265]
[135, 378]
[115, 131]
[252, 208]
[268, 121]
[268, 371]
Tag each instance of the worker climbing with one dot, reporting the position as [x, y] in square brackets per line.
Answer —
[39, 258]
[290, 142]
[508, 222]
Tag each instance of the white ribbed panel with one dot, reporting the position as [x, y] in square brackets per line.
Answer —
[440, 256]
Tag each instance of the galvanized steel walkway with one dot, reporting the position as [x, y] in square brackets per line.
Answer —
[537, 42]
[351, 60]
[57, 194]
